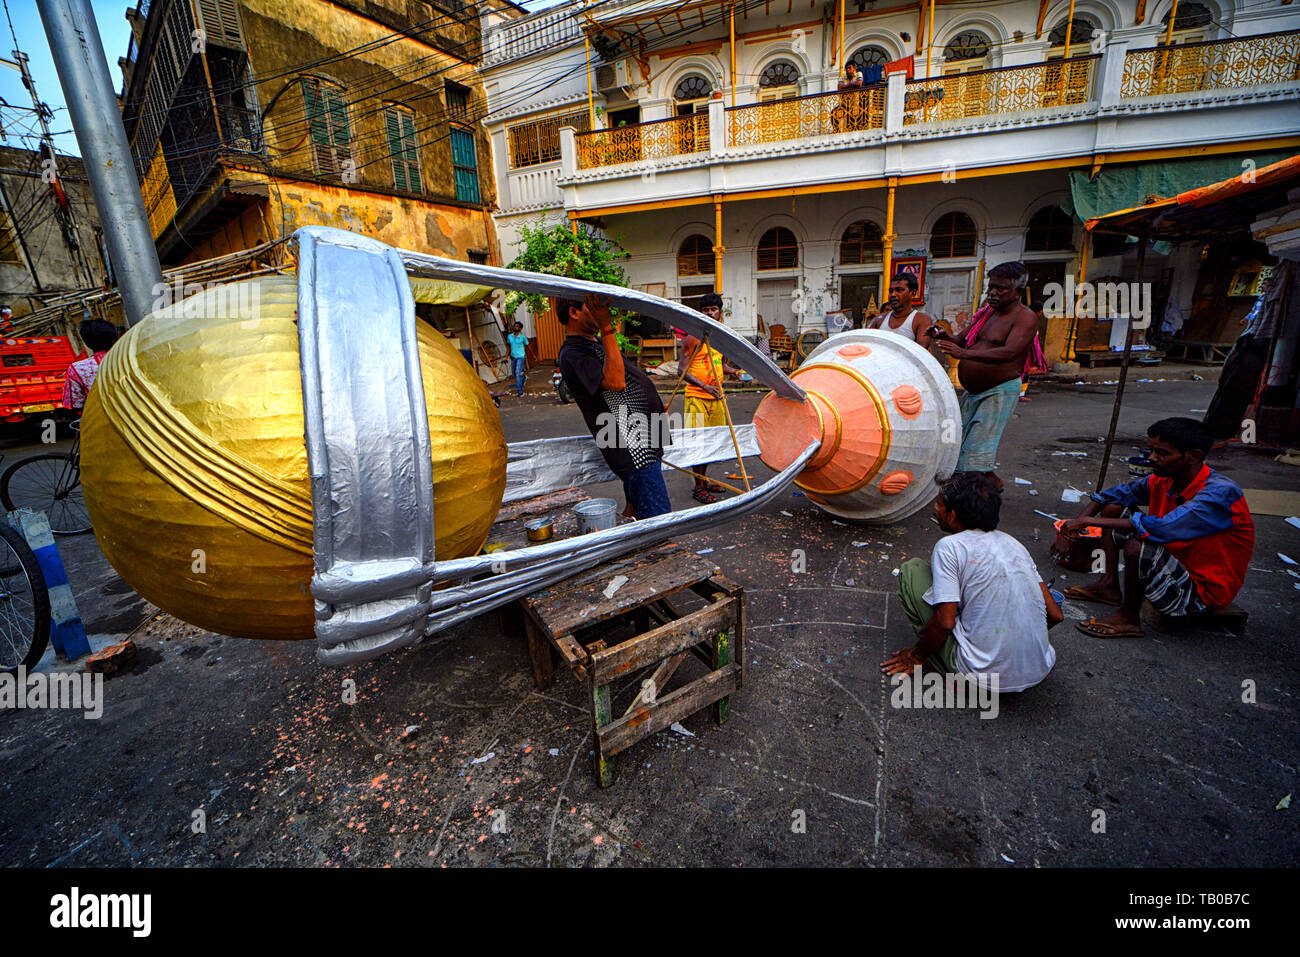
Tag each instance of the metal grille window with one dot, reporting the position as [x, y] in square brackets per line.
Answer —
[1080, 30]
[331, 132]
[695, 257]
[403, 147]
[538, 141]
[457, 99]
[869, 56]
[953, 235]
[693, 87]
[778, 249]
[779, 74]
[970, 45]
[1049, 228]
[464, 165]
[861, 244]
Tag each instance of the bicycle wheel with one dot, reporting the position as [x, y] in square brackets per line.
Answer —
[24, 603]
[49, 483]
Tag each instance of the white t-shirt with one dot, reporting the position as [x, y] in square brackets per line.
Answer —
[1001, 616]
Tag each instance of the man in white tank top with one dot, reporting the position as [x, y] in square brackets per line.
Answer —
[900, 318]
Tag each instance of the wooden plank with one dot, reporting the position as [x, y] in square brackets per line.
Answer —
[580, 601]
[601, 715]
[539, 504]
[539, 651]
[721, 659]
[651, 687]
[684, 701]
[574, 654]
[665, 640]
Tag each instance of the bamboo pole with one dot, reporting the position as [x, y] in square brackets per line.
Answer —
[1173, 15]
[735, 442]
[1069, 29]
[718, 249]
[1123, 375]
[839, 63]
[929, 49]
[591, 103]
[733, 56]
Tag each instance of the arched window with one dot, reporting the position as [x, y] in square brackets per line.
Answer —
[778, 249]
[691, 88]
[1049, 228]
[1080, 30]
[953, 235]
[779, 81]
[870, 61]
[861, 243]
[968, 50]
[1191, 16]
[695, 256]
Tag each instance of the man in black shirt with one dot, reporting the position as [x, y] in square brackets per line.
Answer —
[618, 401]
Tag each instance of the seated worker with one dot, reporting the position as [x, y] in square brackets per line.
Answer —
[705, 406]
[1187, 554]
[979, 606]
[99, 336]
[901, 317]
[618, 401]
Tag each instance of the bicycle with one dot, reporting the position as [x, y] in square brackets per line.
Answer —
[51, 483]
[24, 603]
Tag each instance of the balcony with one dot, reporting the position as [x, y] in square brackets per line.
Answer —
[1015, 89]
[1058, 113]
[657, 139]
[1221, 65]
[800, 117]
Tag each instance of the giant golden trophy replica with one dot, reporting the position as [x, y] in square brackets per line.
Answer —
[299, 456]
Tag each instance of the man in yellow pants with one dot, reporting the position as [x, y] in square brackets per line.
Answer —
[704, 403]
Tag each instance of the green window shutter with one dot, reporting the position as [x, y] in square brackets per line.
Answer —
[315, 113]
[393, 128]
[412, 144]
[464, 166]
[337, 110]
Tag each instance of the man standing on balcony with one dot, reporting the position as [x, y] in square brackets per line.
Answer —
[902, 318]
[991, 357]
[852, 78]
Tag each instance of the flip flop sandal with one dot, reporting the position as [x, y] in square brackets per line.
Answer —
[1096, 629]
[704, 496]
[1077, 592]
[717, 489]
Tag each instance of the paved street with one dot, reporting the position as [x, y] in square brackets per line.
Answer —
[1153, 731]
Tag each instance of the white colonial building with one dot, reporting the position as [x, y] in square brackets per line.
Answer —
[710, 138]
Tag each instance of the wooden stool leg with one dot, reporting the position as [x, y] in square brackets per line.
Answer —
[602, 714]
[722, 658]
[540, 651]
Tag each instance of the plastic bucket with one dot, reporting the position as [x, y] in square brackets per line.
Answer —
[596, 515]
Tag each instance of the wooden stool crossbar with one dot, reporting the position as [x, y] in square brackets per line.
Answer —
[713, 633]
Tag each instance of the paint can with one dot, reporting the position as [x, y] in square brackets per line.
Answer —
[595, 515]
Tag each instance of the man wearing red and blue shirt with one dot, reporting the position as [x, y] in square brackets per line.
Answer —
[1187, 554]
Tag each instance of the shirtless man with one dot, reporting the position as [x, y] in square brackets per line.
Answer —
[989, 367]
[901, 317]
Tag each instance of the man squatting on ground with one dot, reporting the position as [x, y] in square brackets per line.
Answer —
[989, 367]
[704, 403]
[610, 390]
[1188, 553]
[979, 606]
[902, 318]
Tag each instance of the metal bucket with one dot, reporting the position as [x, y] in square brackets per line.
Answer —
[596, 515]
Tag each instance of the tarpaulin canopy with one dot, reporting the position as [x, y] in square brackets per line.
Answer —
[438, 292]
[1122, 187]
[1217, 210]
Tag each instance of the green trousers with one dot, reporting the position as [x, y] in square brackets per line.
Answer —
[914, 580]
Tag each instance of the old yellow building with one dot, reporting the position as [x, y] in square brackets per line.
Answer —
[250, 118]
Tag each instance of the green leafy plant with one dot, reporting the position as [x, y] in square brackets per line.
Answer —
[553, 249]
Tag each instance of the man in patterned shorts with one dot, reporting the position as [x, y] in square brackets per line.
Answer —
[1188, 553]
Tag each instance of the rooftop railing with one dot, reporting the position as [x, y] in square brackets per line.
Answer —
[1212, 65]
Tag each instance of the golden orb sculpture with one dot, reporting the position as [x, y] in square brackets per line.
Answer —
[194, 463]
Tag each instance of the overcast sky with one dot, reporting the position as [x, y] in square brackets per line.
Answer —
[115, 35]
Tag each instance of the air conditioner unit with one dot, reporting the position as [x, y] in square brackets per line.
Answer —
[618, 75]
